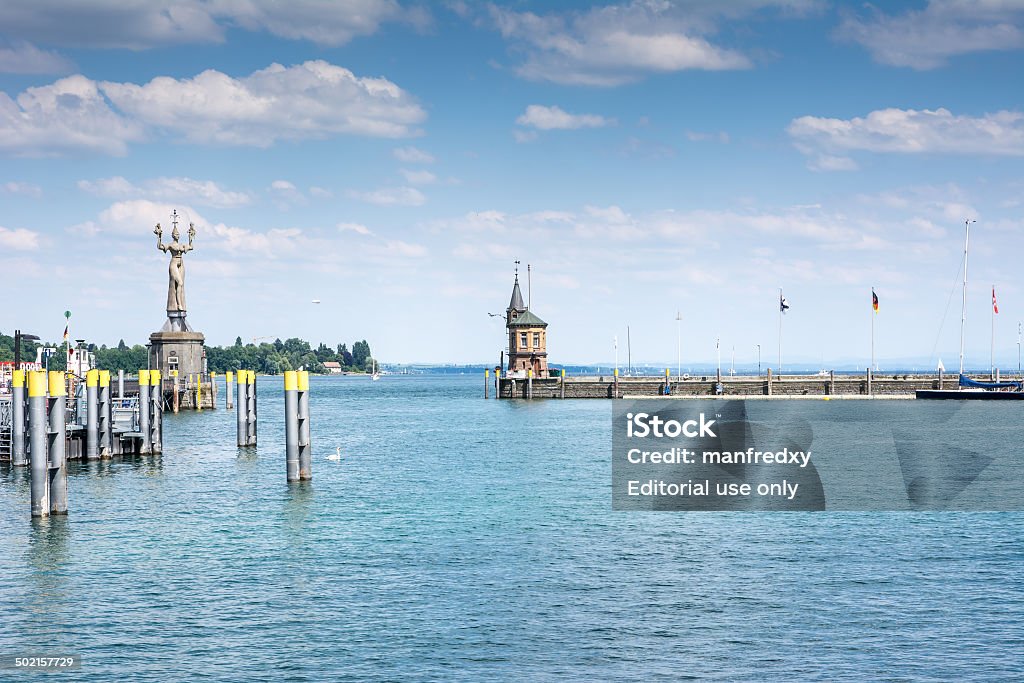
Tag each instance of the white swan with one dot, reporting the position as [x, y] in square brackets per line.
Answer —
[337, 454]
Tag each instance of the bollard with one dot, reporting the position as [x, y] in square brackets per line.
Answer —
[242, 416]
[106, 434]
[228, 379]
[156, 412]
[529, 383]
[56, 442]
[497, 382]
[561, 385]
[144, 411]
[213, 391]
[37, 429]
[615, 384]
[120, 384]
[831, 382]
[305, 443]
[92, 422]
[19, 453]
[291, 425]
[869, 381]
[199, 392]
[487, 382]
[769, 381]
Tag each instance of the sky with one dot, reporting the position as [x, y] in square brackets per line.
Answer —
[394, 159]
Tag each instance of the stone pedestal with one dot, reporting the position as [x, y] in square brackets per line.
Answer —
[177, 347]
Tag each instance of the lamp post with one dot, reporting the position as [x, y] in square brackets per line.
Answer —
[679, 345]
[758, 360]
[19, 338]
[718, 350]
[615, 343]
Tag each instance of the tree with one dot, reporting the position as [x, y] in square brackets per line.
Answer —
[360, 352]
[238, 342]
[121, 346]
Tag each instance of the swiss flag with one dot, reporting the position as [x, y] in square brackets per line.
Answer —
[995, 306]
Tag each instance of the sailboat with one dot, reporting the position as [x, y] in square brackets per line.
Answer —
[376, 375]
[970, 389]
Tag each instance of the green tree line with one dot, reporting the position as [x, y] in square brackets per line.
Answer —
[266, 358]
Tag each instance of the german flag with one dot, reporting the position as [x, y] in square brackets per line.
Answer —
[874, 300]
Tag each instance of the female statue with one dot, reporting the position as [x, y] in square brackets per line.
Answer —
[176, 271]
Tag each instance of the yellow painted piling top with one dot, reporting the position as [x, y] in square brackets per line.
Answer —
[303, 380]
[242, 377]
[616, 372]
[18, 380]
[563, 372]
[174, 373]
[666, 372]
[291, 380]
[57, 383]
[36, 383]
[229, 377]
[154, 377]
[487, 373]
[104, 378]
[143, 378]
[92, 378]
[530, 372]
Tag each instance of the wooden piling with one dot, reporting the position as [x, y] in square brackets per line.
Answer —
[769, 381]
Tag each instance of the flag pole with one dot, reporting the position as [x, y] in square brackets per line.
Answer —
[872, 329]
[992, 350]
[780, 331]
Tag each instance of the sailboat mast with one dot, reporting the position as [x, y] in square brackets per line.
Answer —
[963, 308]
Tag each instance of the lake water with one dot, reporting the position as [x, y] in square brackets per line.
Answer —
[459, 539]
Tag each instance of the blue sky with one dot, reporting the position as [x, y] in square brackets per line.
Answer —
[394, 159]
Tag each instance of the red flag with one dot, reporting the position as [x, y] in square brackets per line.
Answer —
[995, 306]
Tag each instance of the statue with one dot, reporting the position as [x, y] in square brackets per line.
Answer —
[176, 270]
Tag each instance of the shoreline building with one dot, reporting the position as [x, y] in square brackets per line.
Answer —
[527, 338]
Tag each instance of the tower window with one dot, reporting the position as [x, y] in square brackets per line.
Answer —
[522, 340]
[536, 340]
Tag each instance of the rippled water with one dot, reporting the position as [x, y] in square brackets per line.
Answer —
[460, 539]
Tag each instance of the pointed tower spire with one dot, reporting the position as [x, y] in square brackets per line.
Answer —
[516, 303]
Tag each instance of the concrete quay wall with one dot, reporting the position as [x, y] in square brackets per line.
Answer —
[840, 385]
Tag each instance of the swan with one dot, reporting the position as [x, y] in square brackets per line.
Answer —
[337, 454]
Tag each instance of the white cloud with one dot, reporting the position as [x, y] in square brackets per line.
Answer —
[18, 239]
[70, 115]
[310, 100]
[554, 118]
[325, 22]
[143, 24]
[135, 218]
[913, 131]
[285, 194]
[523, 136]
[27, 189]
[614, 44]
[204, 192]
[418, 177]
[25, 58]
[927, 38]
[357, 228]
[412, 155]
[320, 192]
[391, 196]
[313, 100]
